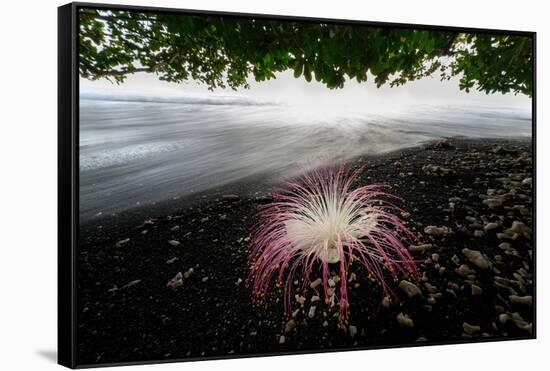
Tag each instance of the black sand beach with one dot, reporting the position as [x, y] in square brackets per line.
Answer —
[470, 202]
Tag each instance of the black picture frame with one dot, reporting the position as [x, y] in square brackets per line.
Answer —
[68, 172]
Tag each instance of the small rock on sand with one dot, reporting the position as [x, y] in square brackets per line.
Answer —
[470, 329]
[432, 230]
[478, 233]
[493, 202]
[476, 290]
[523, 300]
[503, 318]
[188, 273]
[436, 170]
[289, 326]
[518, 227]
[315, 283]
[404, 321]
[464, 270]
[443, 143]
[490, 226]
[476, 258]
[409, 288]
[131, 283]
[122, 242]
[419, 248]
[352, 330]
[176, 281]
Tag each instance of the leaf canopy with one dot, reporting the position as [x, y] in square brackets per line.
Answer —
[223, 51]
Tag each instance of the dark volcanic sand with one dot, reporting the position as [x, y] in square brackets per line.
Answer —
[126, 312]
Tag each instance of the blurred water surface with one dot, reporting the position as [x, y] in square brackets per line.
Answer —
[134, 151]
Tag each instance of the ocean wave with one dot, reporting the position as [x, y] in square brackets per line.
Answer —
[218, 100]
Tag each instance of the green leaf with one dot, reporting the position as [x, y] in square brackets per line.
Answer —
[219, 51]
[307, 72]
[298, 67]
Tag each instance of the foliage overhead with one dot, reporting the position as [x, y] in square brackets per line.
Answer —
[223, 51]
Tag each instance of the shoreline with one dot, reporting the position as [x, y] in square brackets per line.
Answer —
[256, 185]
[478, 189]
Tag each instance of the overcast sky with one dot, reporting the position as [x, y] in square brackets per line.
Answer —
[314, 96]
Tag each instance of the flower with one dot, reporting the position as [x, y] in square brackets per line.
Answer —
[319, 222]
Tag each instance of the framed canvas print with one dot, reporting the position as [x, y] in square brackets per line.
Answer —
[235, 185]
